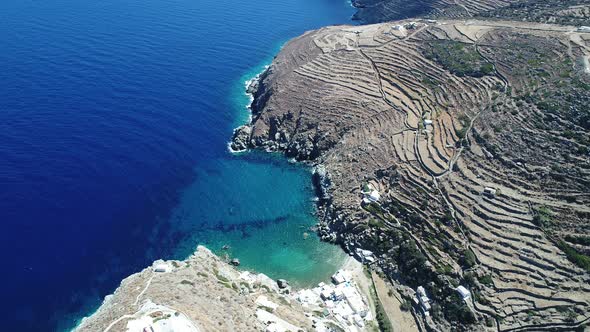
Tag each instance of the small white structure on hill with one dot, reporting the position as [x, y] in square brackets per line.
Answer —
[399, 27]
[370, 194]
[490, 192]
[463, 292]
[162, 268]
[584, 29]
[372, 197]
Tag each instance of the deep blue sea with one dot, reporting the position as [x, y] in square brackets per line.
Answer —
[114, 120]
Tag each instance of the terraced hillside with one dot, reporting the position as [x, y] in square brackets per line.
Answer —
[430, 115]
[573, 12]
[375, 11]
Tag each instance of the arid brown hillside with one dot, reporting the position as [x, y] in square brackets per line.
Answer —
[573, 12]
[375, 11]
[431, 114]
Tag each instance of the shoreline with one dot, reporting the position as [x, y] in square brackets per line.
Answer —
[250, 85]
[349, 262]
[133, 291]
[321, 181]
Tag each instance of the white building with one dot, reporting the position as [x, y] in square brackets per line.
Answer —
[327, 293]
[163, 268]
[342, 301]
[491, 192]
[374, 196]
[463, 292]
[341, 276]
[370, 194]
[355, 301]
[423, 299]
[399, 27]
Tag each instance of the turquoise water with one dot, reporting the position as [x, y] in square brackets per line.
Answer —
[265, 220]
[114, 121]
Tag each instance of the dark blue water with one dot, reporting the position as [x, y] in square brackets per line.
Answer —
[114, 119]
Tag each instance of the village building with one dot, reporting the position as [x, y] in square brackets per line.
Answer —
[423, 300]
[341, 301]
[370, 194]
[341, 276]
[463, 293]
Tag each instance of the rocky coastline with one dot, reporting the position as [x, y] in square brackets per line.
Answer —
[201, 293]
[302, 151]
[207, 293]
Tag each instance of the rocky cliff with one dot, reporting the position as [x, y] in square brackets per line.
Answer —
[475, 134]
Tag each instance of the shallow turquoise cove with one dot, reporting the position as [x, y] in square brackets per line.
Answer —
[266, 222]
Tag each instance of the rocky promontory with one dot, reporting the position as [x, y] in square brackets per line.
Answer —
[201, 293]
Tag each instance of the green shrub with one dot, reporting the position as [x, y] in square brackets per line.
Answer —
[486, 280]
[461, 133]
[578, 239]
[543, 217]
[468, 259]
[376, 223]
[574, 256]
[406, 305]
[187, 282]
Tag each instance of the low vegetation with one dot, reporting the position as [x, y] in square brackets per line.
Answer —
[574, 256]
[459, 58]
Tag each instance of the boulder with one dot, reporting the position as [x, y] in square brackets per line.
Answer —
[241, 138]
[282, 283]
